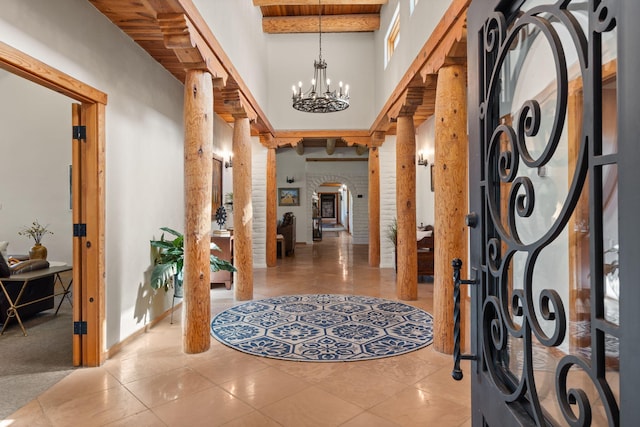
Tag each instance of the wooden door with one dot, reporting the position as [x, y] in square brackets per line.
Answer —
[536, 150]
[76, 215]
[328, 205]
[88, 231]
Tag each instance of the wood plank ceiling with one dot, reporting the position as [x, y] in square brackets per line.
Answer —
[302, 16]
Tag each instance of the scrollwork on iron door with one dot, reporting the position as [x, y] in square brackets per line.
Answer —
[511, 196]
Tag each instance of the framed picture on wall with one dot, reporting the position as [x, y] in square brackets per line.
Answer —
[216, 193]
[328, 205]
[288, 196]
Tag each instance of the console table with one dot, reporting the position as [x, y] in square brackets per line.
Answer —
[27, 280]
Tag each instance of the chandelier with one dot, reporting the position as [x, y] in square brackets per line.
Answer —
[320, 98]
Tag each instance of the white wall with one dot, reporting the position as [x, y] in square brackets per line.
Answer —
[144, 134]
[35, 139]
[237, 25]
[425, 137]
[387, 199]
[350, 59]
[345, 207]
[271, 63]
[309, 177]
[259, 202]
[415, 30]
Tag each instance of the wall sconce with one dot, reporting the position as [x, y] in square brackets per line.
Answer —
[229, 163]
[290, 180]
[422, 161]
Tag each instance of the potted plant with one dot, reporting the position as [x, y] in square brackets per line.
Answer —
[392, 232]
[36, 231]
[169, 262]
[392, 236]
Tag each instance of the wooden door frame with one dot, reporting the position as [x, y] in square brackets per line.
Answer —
[88, 251]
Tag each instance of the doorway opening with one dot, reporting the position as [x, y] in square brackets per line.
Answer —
[351, 195]
[333, 207]
[86, 198]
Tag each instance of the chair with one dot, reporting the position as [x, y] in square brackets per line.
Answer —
[287, 228]
[426, 248]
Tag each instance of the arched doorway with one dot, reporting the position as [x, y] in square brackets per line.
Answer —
[333, 205]
[349, 195]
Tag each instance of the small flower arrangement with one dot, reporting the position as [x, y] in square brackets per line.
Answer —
[36, 231]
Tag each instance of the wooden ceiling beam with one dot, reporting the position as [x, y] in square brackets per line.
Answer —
[358, 140]
[407, 103]
[292, 141]
[262, 124]
[321, 133]
[265, 3]
[191, 50]
[330, 24]
[238, 105]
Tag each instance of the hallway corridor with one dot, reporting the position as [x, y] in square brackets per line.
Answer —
[153, 383]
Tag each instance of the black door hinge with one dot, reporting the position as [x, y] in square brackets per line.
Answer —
[79, 230]
[79, 132]
[79, 328]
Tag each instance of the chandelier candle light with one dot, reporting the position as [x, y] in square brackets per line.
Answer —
[320, 98]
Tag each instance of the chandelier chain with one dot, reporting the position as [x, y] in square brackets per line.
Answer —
[320, 29]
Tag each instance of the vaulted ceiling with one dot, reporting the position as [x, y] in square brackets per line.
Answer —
[177, 36]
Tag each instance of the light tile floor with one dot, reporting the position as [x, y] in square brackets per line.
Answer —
[153, 383]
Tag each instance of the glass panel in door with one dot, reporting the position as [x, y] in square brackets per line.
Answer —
[549, 311]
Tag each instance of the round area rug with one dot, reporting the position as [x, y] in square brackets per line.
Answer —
[323, 328]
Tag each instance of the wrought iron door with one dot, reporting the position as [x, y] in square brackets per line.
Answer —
[553, 127]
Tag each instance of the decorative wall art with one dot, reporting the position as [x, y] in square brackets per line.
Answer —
[289, 196]
[216, 193]
[327, 205]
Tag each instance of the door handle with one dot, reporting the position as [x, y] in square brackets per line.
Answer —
[471, 219]
[457, 265]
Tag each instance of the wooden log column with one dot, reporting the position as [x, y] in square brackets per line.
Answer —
[407, 253]
[374, 207]
[272, 256]
[242, 210]
[198, 150]
[451, 196]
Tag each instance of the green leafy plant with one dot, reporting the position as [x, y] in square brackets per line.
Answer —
[35, 231]
[169, 260]
[612, 267]
[392, 232]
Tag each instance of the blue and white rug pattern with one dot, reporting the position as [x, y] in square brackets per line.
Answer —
[324, 328]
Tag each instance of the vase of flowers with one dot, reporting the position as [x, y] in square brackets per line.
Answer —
[36, 231]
